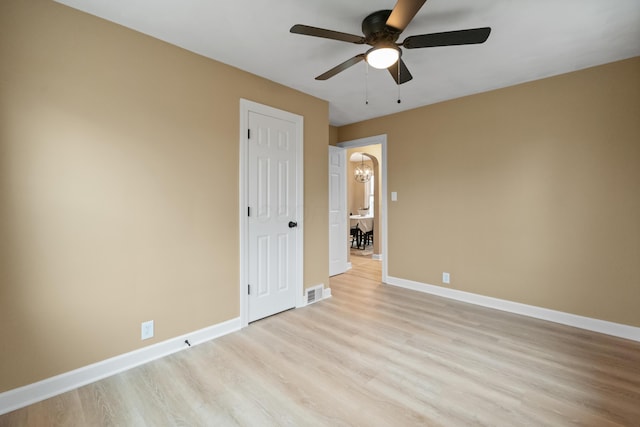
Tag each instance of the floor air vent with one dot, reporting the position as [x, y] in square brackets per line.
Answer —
[314, 294]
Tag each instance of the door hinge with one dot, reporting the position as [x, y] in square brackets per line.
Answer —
[248, 289]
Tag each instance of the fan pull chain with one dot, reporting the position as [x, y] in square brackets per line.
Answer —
[399, 101]
[366, 84]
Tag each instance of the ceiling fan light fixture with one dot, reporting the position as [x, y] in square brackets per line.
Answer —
[383, 56]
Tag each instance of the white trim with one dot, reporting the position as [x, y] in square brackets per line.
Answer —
[245, 107]
[377, 257]
[349, 266]
[382, 140]
[32, 393]
[582, 322]
[326, 293]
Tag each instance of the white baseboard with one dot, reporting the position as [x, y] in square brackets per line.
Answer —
[582, 322]
[32, 393]
[349, 266]
[377, 257]
[326, 293]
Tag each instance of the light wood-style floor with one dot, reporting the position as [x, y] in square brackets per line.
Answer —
[372, 355]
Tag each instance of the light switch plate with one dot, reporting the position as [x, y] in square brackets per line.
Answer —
[394, 196]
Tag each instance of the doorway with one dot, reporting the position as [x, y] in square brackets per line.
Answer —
[363, 201]
[271, 211]
[381, 197]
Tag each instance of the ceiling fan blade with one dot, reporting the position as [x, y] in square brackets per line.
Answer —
[327, 34]
[339, 68]
[405, 75]
[403, 12]
[448, 38]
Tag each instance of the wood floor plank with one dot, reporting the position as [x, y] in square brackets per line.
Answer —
[372, 355]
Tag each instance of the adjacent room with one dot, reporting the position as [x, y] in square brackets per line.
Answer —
[180, 183]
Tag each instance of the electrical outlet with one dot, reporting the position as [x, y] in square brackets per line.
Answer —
[446, 278]
[147, 330]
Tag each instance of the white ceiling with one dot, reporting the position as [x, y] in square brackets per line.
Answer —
[530, 39]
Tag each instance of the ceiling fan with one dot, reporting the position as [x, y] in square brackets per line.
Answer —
[381, 30]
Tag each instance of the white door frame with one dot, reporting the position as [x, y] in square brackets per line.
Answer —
[382, 140]
[245, 107]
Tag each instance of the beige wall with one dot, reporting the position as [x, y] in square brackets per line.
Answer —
[529, 193]
[119, 188]
[333, 135]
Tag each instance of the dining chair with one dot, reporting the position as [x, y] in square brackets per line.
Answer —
[356, 236]
[368, 238]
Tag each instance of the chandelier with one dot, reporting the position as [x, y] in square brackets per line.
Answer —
[363, 173]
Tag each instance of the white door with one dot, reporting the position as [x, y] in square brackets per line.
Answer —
[338, 231]
[272, 215]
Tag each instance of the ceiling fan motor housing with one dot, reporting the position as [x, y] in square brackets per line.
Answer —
[375, 29]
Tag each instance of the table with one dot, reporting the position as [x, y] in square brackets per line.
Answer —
[364, 224]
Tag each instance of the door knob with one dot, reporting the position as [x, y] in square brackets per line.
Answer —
[292, 224]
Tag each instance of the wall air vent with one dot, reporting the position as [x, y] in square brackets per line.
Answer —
[314, 294]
